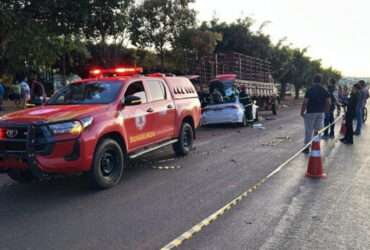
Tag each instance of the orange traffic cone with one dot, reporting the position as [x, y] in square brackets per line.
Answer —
[315, 168]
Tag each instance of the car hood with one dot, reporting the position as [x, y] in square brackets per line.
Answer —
[53, 113]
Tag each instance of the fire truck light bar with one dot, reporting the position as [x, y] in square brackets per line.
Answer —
[121, 71]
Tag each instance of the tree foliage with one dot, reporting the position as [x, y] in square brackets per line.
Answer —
[69, 35]
[158, 23]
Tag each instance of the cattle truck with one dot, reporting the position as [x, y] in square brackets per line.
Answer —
[251, 72]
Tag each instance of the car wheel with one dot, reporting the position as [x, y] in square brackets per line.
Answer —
[108, 165]
[185, 140]
[21, 176]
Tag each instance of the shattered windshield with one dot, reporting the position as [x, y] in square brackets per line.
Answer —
[223, 92]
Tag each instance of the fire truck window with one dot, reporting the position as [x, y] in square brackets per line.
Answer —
[137, 89]
[157, 90]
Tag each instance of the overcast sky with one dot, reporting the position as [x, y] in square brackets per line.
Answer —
[337, 31]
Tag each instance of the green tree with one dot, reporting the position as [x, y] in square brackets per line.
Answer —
[107, 19]
[158, 23]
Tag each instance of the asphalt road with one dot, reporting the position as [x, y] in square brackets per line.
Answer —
[151, 207]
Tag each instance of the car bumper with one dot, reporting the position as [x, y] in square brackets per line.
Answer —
[219, 117]
[46, 154]
[66, 157]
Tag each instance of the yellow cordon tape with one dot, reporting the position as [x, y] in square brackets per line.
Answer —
[207, 221]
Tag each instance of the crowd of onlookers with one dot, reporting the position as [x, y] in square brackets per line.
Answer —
[22, 92]
[322, 100]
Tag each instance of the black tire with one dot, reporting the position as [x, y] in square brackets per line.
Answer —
[108, 165]
[185, 140]
[21, 176]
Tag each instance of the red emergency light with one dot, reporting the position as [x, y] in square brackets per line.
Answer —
[2, 133]
[156, 75]
[95, 72]
[118, 71]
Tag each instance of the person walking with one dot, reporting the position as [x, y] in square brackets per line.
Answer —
[329, 116]
[351, 114]
[315, 104]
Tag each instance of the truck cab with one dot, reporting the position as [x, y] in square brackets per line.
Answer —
[95, 125]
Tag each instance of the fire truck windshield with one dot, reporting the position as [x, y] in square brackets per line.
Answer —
[87, 93]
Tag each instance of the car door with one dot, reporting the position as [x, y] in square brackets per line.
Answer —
[163, 108]
[138, 119]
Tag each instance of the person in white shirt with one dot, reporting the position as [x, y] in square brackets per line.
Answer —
[25, 92]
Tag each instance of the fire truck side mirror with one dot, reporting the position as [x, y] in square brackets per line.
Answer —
[131, 100]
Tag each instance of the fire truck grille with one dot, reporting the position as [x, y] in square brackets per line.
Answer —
[15, 140]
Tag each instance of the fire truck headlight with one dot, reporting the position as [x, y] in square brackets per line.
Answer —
[87, 121]
[73, 127]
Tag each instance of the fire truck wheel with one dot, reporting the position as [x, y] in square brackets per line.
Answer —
[21, 176]
[108, 165]
[185, 140]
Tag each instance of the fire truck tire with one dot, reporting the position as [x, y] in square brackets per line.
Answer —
[108, 165]
[21, 176]
[185, 140]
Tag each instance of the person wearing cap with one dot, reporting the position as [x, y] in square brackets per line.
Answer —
[315, 104]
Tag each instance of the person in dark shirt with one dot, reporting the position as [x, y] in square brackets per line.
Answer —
[246, 101]
[329, 116]
[351, 114]
[315, 104]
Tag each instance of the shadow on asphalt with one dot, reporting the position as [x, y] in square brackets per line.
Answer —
[60, 188]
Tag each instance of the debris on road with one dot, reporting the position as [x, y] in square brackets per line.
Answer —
[276, 141]
[258, 126]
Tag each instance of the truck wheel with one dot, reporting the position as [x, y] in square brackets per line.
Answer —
[108, 165]
[185, 140]
[21, 176]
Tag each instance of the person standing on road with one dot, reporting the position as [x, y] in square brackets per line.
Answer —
[315, 104]
[25, 92]
[329, 116]
[365, 95]
[246, 101]
[359, 109]
[351, 113]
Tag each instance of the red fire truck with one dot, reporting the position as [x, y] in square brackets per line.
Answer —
[95, 125]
